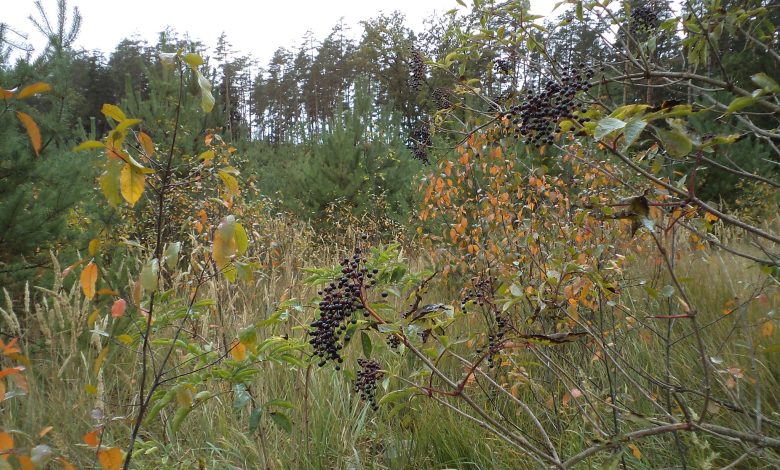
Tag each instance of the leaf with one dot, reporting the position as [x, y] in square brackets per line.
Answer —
[740, 103]
[146, 143]
[6, 444]
[92, 438]
[206, 99]
[65, 463]
[25, 462]
[230, 182]
[45, 431]
[279, 403]
[110, 459]
[767, 329]
[193, 60]
[241, 238]
[281, 420]
[238, 351]
[114, 112]
[89, 145]
[149, 275]
[126, 124]
[109, 183]
[606, 126]
[131, 184]
[93, 247]
[632, 131]
[5, 94]
[668, 291]
[635, 451]
[32, 130]
[118, 309]
[254, 419]
[676, 143]
[171, 255]
[365, 341]
[88, 279]
[33, 89]
[766, 82]
[100, 359]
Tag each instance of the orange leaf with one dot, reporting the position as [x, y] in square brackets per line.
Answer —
[238, 351]
[34, 89]
[66, 464]
[110, 459]
[635, 451]
[6, 444]
[768, 329]
[92, 438]
[88, 280]
[118, 309]
[45, 431]
[10, 348]
[25, 462]
[32, 130]
[11, 371]
[146, 143]
[5, 94]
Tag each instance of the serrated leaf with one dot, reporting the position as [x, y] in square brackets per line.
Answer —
[113, 112]
[33, 89]
[131, 184]
[606, 126]
[33, 132]
[676, 143]
[88, 279]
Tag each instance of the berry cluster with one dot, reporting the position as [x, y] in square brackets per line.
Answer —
[421, 142]
[339, 306]
[365, 382]
[502, 65]
[441, 98]
[417, 70]
[644, 20]
[480, 293]
[537, 118]
[495, 339]
[394, 341]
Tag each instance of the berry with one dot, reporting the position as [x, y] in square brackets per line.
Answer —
[366, 379]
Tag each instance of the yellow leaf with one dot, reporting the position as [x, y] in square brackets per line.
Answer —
[131, 183]
[108, 292]
[94, 246]
[207, 156]
[32, 130]
[146, 143]
[127, 123]
[34, 89]
[110, 459]
[241, 238]
[92, 318]
[88, 279]
[768, 329]
[88, 145]
[230, 182]
[101, 357]
[193, 59]
[125, 339]
[112, 111]
[2, 390]
[89, 388]
[710, 217]
[6, 443]
[635, 451]
[223, 249]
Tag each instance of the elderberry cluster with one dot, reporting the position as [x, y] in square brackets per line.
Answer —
[480, 293]
[441, 98]
[421, 142]
[644, 20]
[495, 339]
[365, 382]
[502, 65]
[394, 341]
[536, 118]
[340, 305]
[417, 70]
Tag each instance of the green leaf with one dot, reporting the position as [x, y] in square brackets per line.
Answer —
[193, 60]
[281, 420]
[667, 291]
[206, 98]
[279, 403]
[397, 395]
[676, 143]
[254, 419]
[365, 341]
[632, 131]
[740, 103]
[606, 126]
[579, 10]
[766, 82]
[240, 396]
[241, 238]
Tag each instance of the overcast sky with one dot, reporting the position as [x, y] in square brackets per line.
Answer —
[252, 27]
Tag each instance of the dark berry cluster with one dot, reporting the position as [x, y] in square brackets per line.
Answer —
[644, 20]
[496, 338]
[441, 98]
[417, 70]
[503, 66]
[481, 291]
[340, 305]
[421, 142]
[365, 382]
[536, 119]
[394, 341]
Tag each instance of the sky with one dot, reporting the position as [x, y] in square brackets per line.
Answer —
[252, 27]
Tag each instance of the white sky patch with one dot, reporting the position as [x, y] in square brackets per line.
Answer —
[253, 28]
